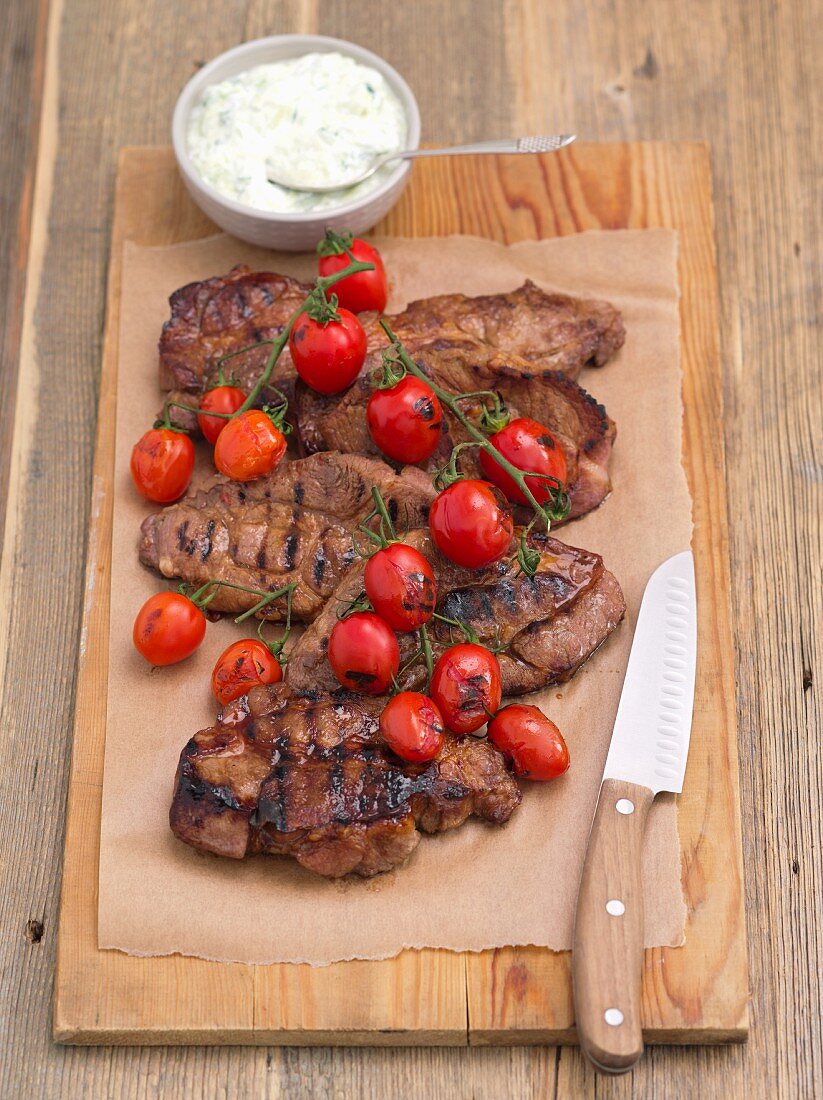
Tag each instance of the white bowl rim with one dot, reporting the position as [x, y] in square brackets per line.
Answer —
[200, 80]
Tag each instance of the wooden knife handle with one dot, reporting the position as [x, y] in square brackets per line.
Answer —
[607, 958]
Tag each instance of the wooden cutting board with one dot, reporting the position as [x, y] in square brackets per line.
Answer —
[694, 994]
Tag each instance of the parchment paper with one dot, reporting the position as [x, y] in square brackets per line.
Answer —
[475, 887]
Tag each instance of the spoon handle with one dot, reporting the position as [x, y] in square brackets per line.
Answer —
[545, 143]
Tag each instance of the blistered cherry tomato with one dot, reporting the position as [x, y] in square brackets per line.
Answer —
[406, 420]
[240, 667]
[221, 399]
[530, 447]
[328, 356]
[250, 446]
[412, 726]
[466, 686]
[162, 463]
[366, 289]
[530, 740]
[363, 653]
[401, 587]
[471, 523]
[168, 628]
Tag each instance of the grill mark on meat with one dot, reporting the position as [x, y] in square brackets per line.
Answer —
[363, 801]
[319, 567]
[336, 785]
[299, 492]
[467, 605]
[271, 810]
[291, 543]
[505, 589]
[207, 543]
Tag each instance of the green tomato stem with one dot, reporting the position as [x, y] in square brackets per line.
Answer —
[426, 650]
[466, 629]
[383, 512]
[194, 409]
[240, 351]
[276, 648]
[280, 341]
[203, 597]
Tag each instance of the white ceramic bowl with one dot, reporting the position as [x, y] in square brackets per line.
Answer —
[292, 232]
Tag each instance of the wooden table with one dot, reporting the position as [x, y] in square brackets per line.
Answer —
[77, 80]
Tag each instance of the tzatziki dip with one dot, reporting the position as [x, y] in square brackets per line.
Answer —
[314, 119]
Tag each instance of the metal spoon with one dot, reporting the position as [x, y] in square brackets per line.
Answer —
[539, 144]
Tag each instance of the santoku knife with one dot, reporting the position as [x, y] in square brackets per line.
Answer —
[648, 751]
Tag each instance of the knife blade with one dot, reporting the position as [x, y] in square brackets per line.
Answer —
[647, 754]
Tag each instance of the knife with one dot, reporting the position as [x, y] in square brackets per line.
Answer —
[648, 751]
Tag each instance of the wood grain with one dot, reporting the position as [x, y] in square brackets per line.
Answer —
[745, 76]
[437, 997]
[22, 64]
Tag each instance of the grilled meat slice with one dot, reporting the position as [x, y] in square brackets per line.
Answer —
[221, 315]
[585, 432]
[549, 623]
[553, 331]
[292, 526]
[551, 651]
[308, 776]
[230, 312]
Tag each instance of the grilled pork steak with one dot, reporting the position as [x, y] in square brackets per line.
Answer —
[308, 776]
[582, 427]
[553, 331]
[224, 314]
[292, 526]
[549, 624]
[221, 315]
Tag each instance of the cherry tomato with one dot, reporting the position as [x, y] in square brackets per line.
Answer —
[249, 446]
[241, 666]
[530, 447]
[221, 399]
[400, 584]
[168, 628]
[405, 421]
[471, 523]
[328, 357]
[364, 654]
[530, 740]
[466, 686]
[366, 289]
[412, 726]
[162, 463]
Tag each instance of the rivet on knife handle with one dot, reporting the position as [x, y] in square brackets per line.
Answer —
[607, 959]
